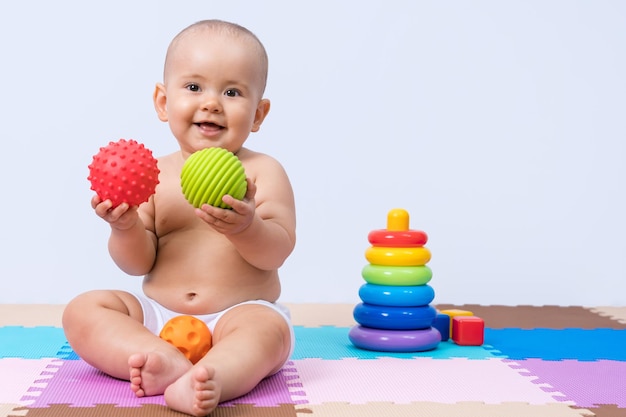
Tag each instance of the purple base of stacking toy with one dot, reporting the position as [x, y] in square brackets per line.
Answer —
[394, 340]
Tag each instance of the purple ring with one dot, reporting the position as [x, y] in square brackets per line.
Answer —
[394, 340]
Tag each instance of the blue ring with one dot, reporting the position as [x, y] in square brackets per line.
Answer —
[397, 296]
[394, 318]
[394, 340]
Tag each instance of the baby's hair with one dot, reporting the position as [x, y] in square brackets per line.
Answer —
[231, 29]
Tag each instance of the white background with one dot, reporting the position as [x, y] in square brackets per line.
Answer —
[499, 125]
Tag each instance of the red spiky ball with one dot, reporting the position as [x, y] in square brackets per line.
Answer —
[124, 172]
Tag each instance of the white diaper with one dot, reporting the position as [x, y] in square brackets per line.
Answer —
[155, 315]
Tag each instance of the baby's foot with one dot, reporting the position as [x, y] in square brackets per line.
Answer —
[151, 373]
[196, 392]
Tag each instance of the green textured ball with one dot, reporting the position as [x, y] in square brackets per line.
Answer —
[210, 174]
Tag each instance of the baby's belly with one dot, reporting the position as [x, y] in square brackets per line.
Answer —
[187, 298]
[197, 272]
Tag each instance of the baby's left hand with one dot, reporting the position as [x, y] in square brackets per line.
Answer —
[232, 221]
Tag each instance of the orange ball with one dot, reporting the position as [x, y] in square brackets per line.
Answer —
[190, 335]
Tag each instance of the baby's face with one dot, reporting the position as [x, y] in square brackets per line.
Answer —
[213, 87]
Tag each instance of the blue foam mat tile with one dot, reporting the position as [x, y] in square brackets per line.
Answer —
[332, 343]
[34, 343]
[554, 345]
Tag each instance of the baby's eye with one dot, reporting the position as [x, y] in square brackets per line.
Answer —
[193, 87]
[231, 92]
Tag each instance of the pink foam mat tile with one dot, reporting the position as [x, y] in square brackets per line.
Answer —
[422, 379]
[586, 383]
[22, 376]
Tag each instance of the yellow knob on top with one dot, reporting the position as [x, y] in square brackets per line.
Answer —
[398, 220]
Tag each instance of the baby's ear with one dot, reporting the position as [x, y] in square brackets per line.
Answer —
[261, 111]
[160, 102]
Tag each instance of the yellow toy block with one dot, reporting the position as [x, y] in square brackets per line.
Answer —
[453, 312]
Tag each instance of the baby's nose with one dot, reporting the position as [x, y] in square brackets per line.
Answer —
[211, 102]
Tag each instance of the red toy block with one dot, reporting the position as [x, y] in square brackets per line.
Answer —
[468, 330]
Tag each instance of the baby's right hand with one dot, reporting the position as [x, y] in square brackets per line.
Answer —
[121, 217]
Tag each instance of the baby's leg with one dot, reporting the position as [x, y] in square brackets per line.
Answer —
[105, 329]
[250, 342]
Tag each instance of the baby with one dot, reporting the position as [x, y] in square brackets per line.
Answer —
[219, 265]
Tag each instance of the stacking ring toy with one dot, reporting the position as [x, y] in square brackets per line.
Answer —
[394, 318]
[407, 256]
[394, 340]
[397, 275]
[397, 296]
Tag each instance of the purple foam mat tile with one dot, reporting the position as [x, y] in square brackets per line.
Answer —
[80, 385]
[587, 383]
[151, 410]
[283, 387]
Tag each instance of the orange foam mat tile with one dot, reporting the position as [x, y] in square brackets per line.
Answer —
[428, 409]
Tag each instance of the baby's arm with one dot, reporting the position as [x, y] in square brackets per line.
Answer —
[131, 245]
[262, 225]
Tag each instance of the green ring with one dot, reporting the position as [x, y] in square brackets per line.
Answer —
[396, 275]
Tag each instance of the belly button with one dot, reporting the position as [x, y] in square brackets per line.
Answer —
[191, 296]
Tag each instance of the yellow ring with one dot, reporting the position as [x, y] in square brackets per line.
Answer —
[406, 256]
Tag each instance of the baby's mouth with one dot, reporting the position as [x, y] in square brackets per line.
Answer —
[209, 126]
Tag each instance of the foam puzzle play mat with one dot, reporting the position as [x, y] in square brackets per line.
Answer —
[534, 361]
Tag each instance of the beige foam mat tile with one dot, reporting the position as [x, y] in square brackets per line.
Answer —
[29, 315]
[305, 314]
[9, 410]
[615, 313]
[441, 410]
[315, 315]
